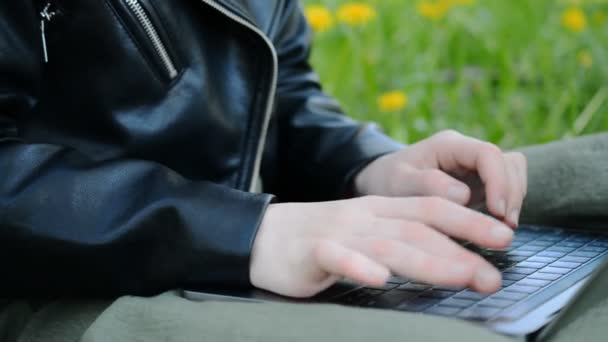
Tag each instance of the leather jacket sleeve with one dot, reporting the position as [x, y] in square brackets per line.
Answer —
[321, 149]
[73, 224]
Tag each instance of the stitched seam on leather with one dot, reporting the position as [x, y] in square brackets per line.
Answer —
[143, 55]
[250, 134]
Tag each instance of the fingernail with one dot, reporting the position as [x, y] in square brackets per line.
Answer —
[501, 233]
[487, 277]
[458, 193]
[514, 217]
[502, 207]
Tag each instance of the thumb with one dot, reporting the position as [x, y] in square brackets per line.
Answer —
[433, 182]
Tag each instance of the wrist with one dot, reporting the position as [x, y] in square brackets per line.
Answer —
[260, 249]
[366, 180]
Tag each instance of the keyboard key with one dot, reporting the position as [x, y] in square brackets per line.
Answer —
[497, 302]
[557, 270]
[593, 249]
[551, 238]
[564, 264]
[443, 310]
[522, 238]
[541, 243]
[514, 296]
[544, 276]
[522, 289]
[357, 296]
[570, 258]
[516, 244]
[417, 283]
[583, 239]
[513, 276]
[379, 303]
[388, 299]
[551, 254]
[534, 282]
[531, 248]
[599, 244]
[489, 252]
[413, 287]
[518, 252]
[545, 260]
[417, 304]
[530, 264]
[570, 243]
[449, 288]
[437, 294]
[506, 283]
[385, 287]
[502, 265]
[585, 254]
[458, 303]
[521, 270]
[470, 295]
[516, 258]
[397, 280]
[560, 249]
[479, 313]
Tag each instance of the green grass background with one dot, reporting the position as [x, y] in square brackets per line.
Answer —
[501, 70]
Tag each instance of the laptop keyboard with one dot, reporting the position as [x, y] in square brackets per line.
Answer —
[536, 259]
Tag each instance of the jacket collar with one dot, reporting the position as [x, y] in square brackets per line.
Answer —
[237, 8]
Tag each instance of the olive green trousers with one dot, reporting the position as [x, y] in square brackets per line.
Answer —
[568, 185]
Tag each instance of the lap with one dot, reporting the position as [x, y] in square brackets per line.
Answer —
[169, 317]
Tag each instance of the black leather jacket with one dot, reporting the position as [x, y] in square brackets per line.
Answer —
[127, 162]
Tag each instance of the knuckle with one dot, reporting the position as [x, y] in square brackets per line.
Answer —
[383, 248]
[431, 177]
[415, 231]
[491, 149]
[446, 136]
[518, 157]
[449, 134]
[425, 262]
[523, 160]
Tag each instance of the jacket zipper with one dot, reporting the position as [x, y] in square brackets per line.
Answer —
[46, 16]
[271, 93]
[160, 48]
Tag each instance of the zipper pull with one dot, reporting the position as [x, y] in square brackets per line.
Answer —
[46, 16]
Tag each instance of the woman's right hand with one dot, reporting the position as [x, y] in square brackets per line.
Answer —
[303, 248]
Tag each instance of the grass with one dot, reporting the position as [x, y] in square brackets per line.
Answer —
[505, 71]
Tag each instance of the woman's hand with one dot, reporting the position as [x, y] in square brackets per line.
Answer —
[455, 167]
[303, 248]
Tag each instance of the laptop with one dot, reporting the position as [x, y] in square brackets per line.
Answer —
[543, 270]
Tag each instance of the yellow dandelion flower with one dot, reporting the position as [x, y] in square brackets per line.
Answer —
[320, 18]
[356, 13]
[433, 10]
[574, 19]
[585, 59]
[393, 101]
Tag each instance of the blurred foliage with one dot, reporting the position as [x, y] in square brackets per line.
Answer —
[514, 72]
